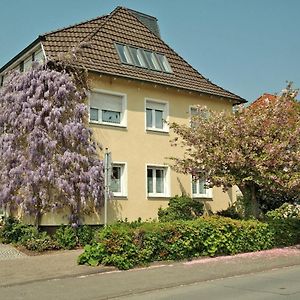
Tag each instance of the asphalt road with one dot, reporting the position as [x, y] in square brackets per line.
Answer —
[273, 285]
[193, 280]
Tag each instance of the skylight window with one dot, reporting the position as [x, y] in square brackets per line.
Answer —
[124, 54]
[143, 58]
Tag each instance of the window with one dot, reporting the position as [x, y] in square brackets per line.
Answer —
[199, 189]
[2, 80]
[152, 61]
[156, 115]
[138, 57]
[124, 54]
[108, 108]
[143, 58]
[164, 63]
[118, 185]
[157, 181]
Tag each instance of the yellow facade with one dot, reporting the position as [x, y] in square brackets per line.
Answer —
[138, 147]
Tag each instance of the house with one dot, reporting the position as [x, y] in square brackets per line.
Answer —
[137, 83]
[264, 99]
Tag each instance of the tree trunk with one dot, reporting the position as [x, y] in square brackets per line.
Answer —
[249, 191]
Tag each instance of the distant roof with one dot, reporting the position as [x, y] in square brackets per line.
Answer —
[97, 37]
[263, 100]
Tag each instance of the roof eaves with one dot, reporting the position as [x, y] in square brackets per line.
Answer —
[237, 99]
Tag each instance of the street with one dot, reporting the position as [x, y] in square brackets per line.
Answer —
[274, 284]
[189, 280]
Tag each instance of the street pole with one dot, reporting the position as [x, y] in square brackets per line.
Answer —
[107, 180]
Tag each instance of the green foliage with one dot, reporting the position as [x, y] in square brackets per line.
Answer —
[13, 231]
[285, 211]
[285, 222]
[125, 247]
[41, 243]
[66, 237]
[85, 235]
[181, 208]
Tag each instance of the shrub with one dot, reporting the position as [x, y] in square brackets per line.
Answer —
[41, 243]
[85, 235]
[181, 208]
[13, 231]
[66, 237]
[285, 211]
[125, 247]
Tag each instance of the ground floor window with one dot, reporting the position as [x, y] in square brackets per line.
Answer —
[200, 189]
[157, 181]
[118, 185]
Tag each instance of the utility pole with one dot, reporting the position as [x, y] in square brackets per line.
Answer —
[107, 181]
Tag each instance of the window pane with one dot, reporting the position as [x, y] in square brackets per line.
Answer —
[159, 119]
[111, 116]
[124, 54]
[164, 63]
[115, 185]
[202, 189]
[149, 180]
[159, 181]
[149, 120]
[93, 114]
[149, 59]
[137, 57]
[194, 187]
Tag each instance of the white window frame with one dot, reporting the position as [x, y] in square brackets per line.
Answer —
[123, 113]
[165, 114]
[207, 195]
[167, 181]
[124, 179]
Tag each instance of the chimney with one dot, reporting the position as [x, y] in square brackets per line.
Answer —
[149, 21]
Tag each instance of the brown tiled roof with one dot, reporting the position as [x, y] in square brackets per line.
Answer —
[263, 100]
[99, 53]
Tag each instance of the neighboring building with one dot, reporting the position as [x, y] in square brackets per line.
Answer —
[137, 82]
[263, 100]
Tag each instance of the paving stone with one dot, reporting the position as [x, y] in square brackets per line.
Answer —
[8, 252]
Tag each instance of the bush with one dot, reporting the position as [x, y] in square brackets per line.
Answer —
[125, 247]
[13, 231]
[66, 237]
[181, 208]
[285, 211]
[85, 235]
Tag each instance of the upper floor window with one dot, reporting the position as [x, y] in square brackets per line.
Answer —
[156, 115]
[108, 108]
[143, 58]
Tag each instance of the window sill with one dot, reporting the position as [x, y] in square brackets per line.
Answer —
[196, 197]
[157, 197]
[108, 124]
[119, 197]
[154, 130]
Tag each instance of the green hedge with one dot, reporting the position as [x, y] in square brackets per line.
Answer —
[126, 246]
[66, 237]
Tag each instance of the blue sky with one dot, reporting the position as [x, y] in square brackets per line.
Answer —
[246, 46]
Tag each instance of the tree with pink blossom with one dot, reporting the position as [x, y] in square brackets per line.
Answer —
[257, 148]
[48, 159]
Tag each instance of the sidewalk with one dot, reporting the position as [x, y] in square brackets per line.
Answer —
[28, 269]
[63, 264]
